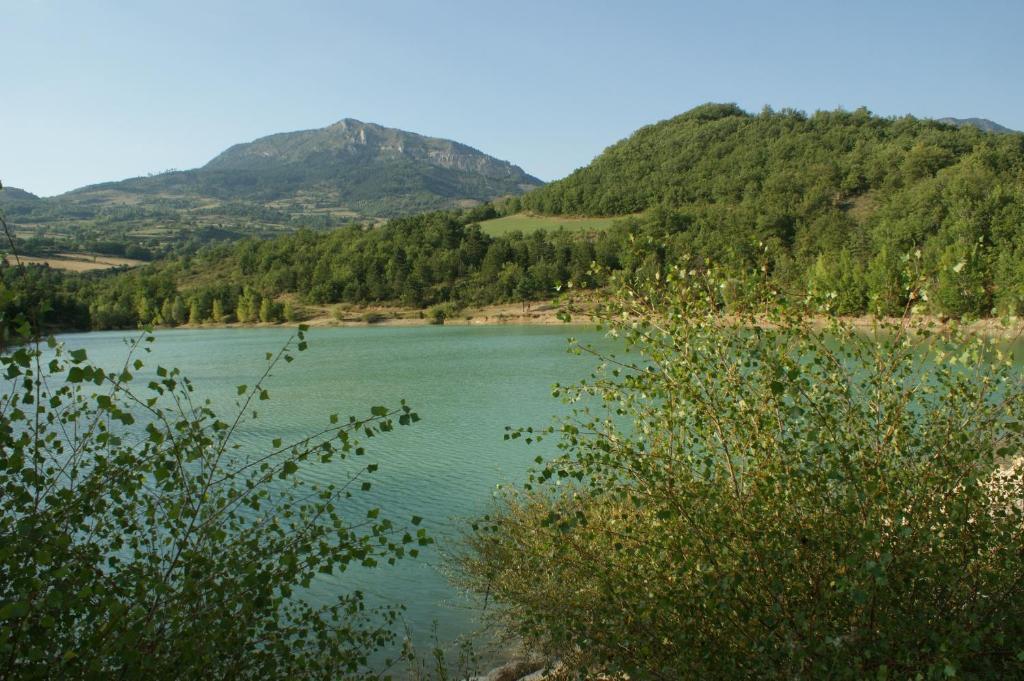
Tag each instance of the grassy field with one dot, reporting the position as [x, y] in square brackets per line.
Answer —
[77, 262]
[527, 223]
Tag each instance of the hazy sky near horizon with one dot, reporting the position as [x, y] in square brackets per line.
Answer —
[97, 90]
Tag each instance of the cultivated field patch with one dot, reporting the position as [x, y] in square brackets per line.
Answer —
[526, 223]
[76, 262]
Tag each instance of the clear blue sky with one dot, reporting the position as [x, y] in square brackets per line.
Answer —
[93, 90]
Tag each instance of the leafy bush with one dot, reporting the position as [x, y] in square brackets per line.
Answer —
[137, 540]
[756, 497]
[438, 314]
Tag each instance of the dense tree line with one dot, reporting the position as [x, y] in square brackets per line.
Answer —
[416, 262]
[446, 258]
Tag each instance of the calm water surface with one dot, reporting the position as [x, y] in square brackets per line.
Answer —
[466, 383]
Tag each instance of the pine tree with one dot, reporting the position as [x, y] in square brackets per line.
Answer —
[194, 315]
[166, 313]
[247, 307]
[178, 315]
[266, 311]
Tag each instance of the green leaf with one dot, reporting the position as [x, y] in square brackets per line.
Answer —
[13, 610]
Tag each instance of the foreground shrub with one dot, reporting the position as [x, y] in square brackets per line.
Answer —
[756, 497]
[137, 541]
[438, 314]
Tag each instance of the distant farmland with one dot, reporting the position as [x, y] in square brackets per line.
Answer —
[76, 262]
[526, 223]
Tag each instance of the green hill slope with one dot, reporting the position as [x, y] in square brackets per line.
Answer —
[11, 197]
[833, 201]
[719, 154]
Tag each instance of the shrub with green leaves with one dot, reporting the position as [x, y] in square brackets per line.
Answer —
[137, 540]
[438, 314]
[754, 496]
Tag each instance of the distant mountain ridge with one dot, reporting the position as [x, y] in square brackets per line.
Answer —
[365, 168]
[350, 139]
[321, 178]
[10, 195]
[979, 123]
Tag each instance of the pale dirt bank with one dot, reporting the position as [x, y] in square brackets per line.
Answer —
[511, 313]
[546, 314]
[540, 314]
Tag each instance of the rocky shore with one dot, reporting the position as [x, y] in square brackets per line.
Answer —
[521, 670]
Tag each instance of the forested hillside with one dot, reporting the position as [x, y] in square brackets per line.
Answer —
[834, 200]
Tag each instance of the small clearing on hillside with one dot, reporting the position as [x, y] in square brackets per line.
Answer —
[526, 223]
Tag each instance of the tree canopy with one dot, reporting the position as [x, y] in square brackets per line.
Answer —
[835, 198]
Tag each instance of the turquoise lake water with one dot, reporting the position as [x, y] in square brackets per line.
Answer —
[466, 383]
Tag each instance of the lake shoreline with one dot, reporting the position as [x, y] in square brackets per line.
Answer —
[546, 313]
